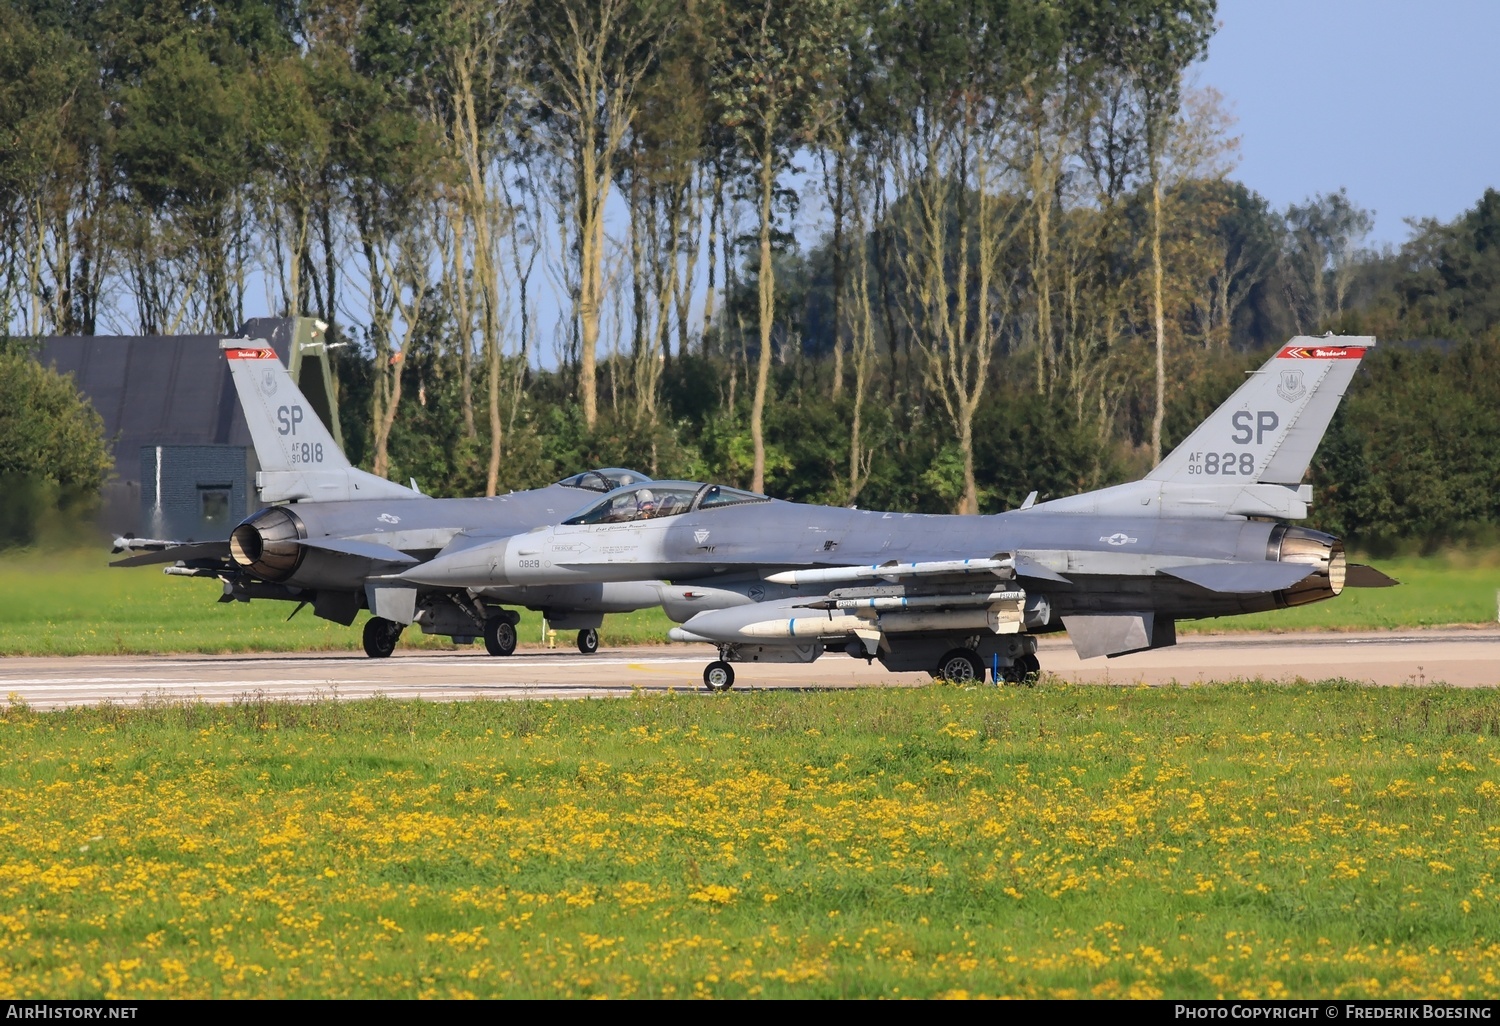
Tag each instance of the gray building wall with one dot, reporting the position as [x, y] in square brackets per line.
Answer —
[192, 492]
[175, 391]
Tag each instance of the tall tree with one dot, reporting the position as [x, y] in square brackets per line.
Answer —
[590, 58]
[774, 61]
[1155, 41]
[1322, 243]
[951, 64]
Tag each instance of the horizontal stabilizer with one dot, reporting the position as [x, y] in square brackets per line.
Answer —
[1358, 575]
[1241, 578]
[1000, 565]
[366, 550]
[192, 550]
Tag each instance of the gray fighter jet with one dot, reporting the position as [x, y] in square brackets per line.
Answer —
[1204, 534]
[335, 537]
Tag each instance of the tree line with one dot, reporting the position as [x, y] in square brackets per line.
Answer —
[559, 233]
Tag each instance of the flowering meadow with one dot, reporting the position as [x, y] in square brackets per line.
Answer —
[1237, 840]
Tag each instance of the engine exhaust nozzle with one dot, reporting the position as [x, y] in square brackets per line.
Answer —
[267, 544]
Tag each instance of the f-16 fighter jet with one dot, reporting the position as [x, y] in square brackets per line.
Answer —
[335, 537]
[1204, 534]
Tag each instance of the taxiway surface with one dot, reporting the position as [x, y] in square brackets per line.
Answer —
[1467, 658]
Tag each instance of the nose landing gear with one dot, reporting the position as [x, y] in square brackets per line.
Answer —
[718, 676]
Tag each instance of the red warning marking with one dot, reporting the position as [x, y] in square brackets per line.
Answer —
[1321, 353]
[250, 354]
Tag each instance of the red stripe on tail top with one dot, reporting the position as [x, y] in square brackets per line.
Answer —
[249, 354]
[1321, 353]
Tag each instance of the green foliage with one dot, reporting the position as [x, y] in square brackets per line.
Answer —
[53, 454]
[1454, 282]
[149, 150]
[1415, 453]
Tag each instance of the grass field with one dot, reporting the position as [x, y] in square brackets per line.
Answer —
[1240, 840]
[74, 604]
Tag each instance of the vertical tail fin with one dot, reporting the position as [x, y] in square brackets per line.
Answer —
[1249, 457]
[298, 457]
[1267, 432]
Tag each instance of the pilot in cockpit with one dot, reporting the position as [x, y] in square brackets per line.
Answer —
[645, 504]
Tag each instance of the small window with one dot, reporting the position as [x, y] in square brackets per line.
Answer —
[213, 504]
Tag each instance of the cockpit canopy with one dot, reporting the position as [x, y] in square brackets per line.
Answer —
[654, 499]
[606, 479]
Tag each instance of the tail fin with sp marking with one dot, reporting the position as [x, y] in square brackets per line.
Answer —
[299, 460]
[1249, 457]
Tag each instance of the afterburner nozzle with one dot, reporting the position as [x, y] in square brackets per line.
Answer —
[268, 544]
[473, 567]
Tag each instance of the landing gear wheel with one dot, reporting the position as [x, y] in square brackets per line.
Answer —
[719, 676]
[960, 665]
[588, 641]
[381, 636]
[1022, 671]
[499, 636]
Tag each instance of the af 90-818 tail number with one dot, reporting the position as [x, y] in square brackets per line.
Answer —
[287, 419]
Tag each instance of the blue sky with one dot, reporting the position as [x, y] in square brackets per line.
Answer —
[1397, 101]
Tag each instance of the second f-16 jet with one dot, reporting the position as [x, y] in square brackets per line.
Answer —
[1204, 534]
[334, 537]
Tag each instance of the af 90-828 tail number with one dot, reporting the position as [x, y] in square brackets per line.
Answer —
[1248, 426]
[1241, 463]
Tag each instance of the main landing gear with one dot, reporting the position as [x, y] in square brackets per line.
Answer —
[960, 665]
[588, 641]
[964, 666]
[499, 636]
[381, 636]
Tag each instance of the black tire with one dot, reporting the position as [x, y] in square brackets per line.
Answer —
[960, 665]
[588, 641]
[1022, 671]
[499, 636]
[381, 636]
[718, 676]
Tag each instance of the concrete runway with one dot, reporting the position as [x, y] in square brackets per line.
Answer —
[1467, 658]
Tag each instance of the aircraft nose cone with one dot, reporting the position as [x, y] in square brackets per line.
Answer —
[473, 567]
